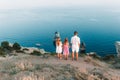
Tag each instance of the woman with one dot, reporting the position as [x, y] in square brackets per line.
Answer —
[66, 48]
[59, 48]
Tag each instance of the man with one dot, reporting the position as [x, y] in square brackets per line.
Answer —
[75, 41]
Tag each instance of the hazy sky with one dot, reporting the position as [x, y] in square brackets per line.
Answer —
[7, 15]
[28, 4]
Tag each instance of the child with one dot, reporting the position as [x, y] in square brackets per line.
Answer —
[59, 48]
[66, 48]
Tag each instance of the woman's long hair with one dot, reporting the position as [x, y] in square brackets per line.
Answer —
[66, 41]
[58, 42]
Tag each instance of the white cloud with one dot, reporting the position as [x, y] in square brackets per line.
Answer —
[21, 4]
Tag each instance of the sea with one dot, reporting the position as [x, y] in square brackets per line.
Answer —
[99, 28]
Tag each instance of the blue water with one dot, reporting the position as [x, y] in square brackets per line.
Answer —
[98, 28]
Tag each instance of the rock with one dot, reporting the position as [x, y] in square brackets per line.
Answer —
[116, 63]
[98, 74]
[30, 50]
[42, 51]
[45, 56]
[88, 59]
[2, 58]
[117, 66]
[109, 57]
[94, 55]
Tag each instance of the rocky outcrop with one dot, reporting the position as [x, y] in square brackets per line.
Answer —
[30, 50]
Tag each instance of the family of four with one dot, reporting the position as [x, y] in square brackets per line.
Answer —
[64, 47]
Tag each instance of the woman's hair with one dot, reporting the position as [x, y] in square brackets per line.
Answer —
[58, 41]
[66, 40]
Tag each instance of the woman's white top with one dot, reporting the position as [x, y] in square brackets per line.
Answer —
[59, 48]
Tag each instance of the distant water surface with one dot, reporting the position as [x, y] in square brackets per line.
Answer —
[98, 28]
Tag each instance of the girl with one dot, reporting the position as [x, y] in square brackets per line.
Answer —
[59, 48]
[66, 48]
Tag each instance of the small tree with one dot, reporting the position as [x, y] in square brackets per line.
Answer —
[5, 45]
[16, 46]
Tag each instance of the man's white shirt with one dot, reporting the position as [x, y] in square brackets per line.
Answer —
[75, 41]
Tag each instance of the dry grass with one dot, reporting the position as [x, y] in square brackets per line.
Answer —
[26, 67]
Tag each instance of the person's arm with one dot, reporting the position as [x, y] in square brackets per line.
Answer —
[71, 41]
[79, 42]
[56, 43]
[61, 44]
[68, 45]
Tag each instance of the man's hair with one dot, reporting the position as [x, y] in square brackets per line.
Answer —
[75, 32]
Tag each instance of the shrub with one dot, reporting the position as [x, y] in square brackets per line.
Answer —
[37, 53]
[109, 57]
[95, 56]
[25, 49]
[5, 45]
[19, 51]
[2, 53]
[16, 46]
[53, 54]
[82, 55]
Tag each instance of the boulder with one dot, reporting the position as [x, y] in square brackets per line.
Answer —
[42, 51]
[94, 55]
[117, 44]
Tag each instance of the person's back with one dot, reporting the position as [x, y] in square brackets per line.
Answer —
[59, 48]
[75, 41]
[66, 48]
[59, 44]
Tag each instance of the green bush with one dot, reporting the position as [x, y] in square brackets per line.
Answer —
[5, 45]
[16, 46]
[53, 54]
[2, 53]
[37, 53]
[19, 51]
[109, 57]
[25, 49]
